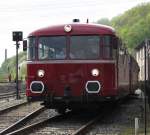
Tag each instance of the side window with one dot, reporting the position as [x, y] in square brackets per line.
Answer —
[107, 47]
[31, 48]
[115, 47]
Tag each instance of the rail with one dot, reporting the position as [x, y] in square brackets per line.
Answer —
[38, 124]
[13, 107]
[35, 125]
[82, 129]
[10, 94]
[20, 122]
[58, 117]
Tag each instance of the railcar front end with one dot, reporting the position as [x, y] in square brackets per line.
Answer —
[72, 66]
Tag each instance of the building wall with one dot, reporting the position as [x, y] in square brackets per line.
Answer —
[140, 60]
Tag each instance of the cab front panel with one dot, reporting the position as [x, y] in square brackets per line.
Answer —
[74, 76]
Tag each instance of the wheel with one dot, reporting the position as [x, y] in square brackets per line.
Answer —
[28, 99]
[61, 110]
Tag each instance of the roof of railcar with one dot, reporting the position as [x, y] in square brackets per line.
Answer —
[77, 29]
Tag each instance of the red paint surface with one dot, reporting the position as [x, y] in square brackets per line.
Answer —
[77, 29]
[58, 76]
[75, 75]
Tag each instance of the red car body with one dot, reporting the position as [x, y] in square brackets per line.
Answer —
[76, 82]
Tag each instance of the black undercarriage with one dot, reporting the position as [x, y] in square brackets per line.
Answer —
[73, 103]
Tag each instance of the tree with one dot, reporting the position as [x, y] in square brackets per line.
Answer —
[104, 21]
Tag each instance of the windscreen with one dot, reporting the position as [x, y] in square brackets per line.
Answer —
[84, 47]
[52, 47]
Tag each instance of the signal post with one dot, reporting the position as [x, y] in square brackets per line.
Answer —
[17, 36]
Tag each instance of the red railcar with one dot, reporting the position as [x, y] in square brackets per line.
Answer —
[77, 65]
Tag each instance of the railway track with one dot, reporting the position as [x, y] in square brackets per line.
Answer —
[10, 95]
[7, 104]
[10, 87]
[70, 123]
[7, 87]
[121, 121]
[5, 108]
[16, 116]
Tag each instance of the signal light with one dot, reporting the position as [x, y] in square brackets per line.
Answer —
[24, 45]
[17, 36]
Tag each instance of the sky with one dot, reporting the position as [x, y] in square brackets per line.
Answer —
[29, 15]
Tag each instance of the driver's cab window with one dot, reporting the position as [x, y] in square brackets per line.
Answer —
[107, 47]
[110, 47]
[31, 48]
[52, 48]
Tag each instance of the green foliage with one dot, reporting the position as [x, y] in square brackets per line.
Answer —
[104, 21]
[9, 66]
[133, 26]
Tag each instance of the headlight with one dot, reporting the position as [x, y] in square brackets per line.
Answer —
[40, 73]
[95, 72]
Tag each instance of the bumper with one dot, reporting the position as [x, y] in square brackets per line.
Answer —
[81, 99]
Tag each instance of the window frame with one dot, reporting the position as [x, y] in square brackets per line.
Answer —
[110, 46]
[99, 47]
[38, 45]
[33, 49]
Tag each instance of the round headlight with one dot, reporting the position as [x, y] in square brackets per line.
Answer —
[40, 73]
[95, 72]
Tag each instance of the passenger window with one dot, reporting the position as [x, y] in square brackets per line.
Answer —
[31, 48]
[107, 47]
